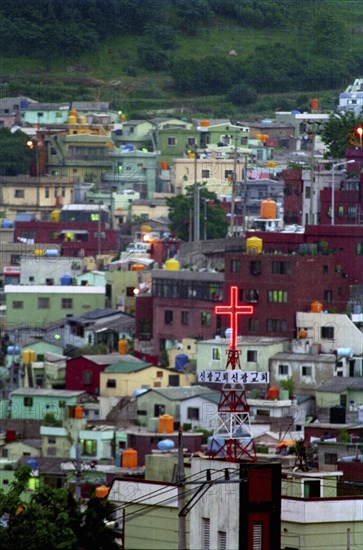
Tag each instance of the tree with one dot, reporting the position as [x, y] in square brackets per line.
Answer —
[339, 133]
[179, 214]
[16, 158]
[52, 519]
[241, 94]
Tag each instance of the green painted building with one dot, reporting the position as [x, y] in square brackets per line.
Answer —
[34, 404]
[40, 305]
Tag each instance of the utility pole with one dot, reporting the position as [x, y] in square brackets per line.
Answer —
[196, 199]
[245, 196]
[234, 179]
[180, 479]
[78, 466]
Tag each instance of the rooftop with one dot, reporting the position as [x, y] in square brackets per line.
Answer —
[340, 383]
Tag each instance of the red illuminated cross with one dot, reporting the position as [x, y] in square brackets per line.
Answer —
[233, 310]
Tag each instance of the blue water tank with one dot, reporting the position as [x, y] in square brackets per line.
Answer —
[7, 224]
[180, 361]
[140, 391]
[51, 253]
[166, 445]
[228, 333]
[118, 132]
[13, 350]
[66, 280]
[24, 103]
[33, 463]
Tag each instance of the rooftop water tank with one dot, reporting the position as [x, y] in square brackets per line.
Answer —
[51, 253]
[8, 224]
[273, 392]
[254, 245]
[316, 307]
[33, 463]
[268, 209]
[166, 445]
[13, 350]
[123, 346]
[66, 280]
[130, 458]
[172, 265]
[180, 361]
[166, 424]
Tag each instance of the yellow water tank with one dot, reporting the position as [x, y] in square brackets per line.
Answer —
[82, 119]
[254, 245]
[172, 265]
[72, 119]
[55, 216]
[123, 346]
[29, 356]
[39, 252]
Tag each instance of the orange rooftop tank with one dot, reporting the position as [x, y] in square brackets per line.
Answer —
[254, 245]
[129, 458]
[137, 267]
[102, 491]
[166, 424]
[273, 392]
[314, 104]
[164, 165]
[123, 346]
[268, 209]
[316, 307]
[204, 123]
[78, 411]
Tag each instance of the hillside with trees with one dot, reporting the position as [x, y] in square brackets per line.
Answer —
[153, 53]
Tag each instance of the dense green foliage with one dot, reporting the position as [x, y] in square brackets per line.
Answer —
[180, 207]
[51, 519]
[157, 50]
[339, 133]
[16, 158]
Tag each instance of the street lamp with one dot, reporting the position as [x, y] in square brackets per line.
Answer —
[360, 134]
[333, 186]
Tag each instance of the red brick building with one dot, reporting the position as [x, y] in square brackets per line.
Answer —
[279, 285]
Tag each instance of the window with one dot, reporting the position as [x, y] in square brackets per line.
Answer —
[4, 453]
[28, 401]
[311, 488]
[281, 268]
[325, 269]
[359, 249]
[205, 174]
[283, 370]
[307, 370]
[252, 296]
[159, 410]
[55, 192]
[222, 540]
[253, 325]
[184, 317]
[193, 413]
[19, 193]
[47, 192]
[174, 380]
[307, 192]
[340, 211]
[171, 141]
[89, 447]
[277, 296]
[43, 303]
[351, 212]
[67, 303]
[276, 325]
[251, 356]
[51, 440]
[159, 374]
[130, 291]
[168, 317]
[216, 354]
[235, 266]
[87, 377]
[63, 191]
[327, 333]
[205, 534]
[228, 174]
[111, 383]
[205, 319]
[330, 458]
[257, 536]
[191, 141]
[255, 267]
[18, 304]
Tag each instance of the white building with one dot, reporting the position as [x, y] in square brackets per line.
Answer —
[352, 98]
